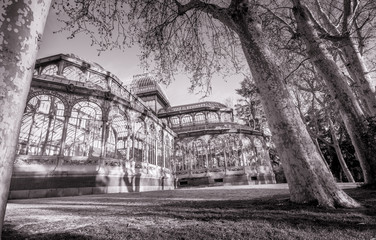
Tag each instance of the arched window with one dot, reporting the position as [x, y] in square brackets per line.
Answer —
[97, 81]
[151, 144]
[186, 120]
[199, 118]
[262, 155]
[74, 74]
[49, 70]
[213, 117]
[179, 161]
[84, 136]
[139, 139]
[199, 155]
[234, 151]
[216, 152]
[175, 121]
[248, 151]
[118, 127]
[182, 157]
[42, 126]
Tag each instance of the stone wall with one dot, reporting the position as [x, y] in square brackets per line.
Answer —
[46, 176]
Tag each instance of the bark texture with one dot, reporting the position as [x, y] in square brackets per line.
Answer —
[358, 71]
[352, 57]
[21, 27]
[308, 177]
[351, 113]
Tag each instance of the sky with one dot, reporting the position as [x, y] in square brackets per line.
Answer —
[125, 64]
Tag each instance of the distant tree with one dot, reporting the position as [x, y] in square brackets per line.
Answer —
[21, 28]
[200, 37]
[249, 107]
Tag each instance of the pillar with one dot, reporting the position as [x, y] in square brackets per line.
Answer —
[64, 135]
[60, 68]
[105, 129]
[163, 150]
[155, 150]
[127, 152]
[225, 158]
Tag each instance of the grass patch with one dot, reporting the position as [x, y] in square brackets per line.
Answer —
[210, 213]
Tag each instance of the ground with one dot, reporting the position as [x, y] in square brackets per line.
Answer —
[233, 212]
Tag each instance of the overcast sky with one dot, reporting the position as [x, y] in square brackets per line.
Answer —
[125, 64]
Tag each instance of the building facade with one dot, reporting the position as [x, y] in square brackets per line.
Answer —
[83, 132]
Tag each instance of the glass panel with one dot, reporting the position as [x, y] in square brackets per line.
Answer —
[97, 81]
[49, 70]
[84, 136]
[200, 157]
[186, 120]
[213, 117]
[74, 74]
[160, 149]
[118, 126]
[167, 152]
[41, 127]
[199, 118]
[174, 121]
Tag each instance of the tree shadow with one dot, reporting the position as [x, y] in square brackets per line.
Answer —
[10, 234]
[275, 210]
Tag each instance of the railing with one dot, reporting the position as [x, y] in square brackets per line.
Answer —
[211, 126]
[193, 106]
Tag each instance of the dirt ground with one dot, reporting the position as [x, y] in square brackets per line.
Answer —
[230, 212]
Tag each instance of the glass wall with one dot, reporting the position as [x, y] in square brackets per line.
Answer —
[84, 135]
[42, 125]
[118, 133]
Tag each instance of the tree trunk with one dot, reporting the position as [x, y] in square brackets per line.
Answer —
[351, 113]
[339, 154]
[21, 28]
[354, 63]
[308, 177]
[358, 72]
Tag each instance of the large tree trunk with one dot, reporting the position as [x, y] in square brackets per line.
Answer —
[351, 113]
[308, 177]
[353, 61]
[359, 73]
[21, 27]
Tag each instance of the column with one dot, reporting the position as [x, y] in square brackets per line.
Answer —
[64, 135]
[155, 150]
[207, 155]
[243, 158]
[163, 150]
[127, 152]
[225, 158]
[60, 68]
[104, 138]
[116, 141]
[190, 161]
[133, 137]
